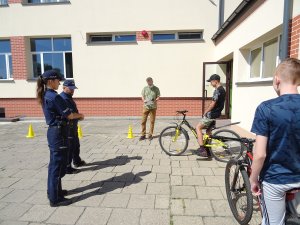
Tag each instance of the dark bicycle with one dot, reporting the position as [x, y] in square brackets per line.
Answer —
[174, 140]
[238, 189]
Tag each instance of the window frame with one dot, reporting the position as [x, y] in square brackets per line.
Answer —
[41, 53]
[26, 2]
[9, 74]
[177, 34]
[190, 32]
[3, 4]
[250, 61]
[164, 33]
[113, 38]
[262, 47]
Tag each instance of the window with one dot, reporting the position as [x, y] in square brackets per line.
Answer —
[255, 63]
[263, 60]
[177, 36]
[113, 38]
[164, 37]
[125, 38]
[189, 35]
[5, 60]
[101, 38]
[270, 58]
[46, 1]
[52, 53]
[3, 2]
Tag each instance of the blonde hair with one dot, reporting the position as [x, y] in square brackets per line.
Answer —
[289, 71]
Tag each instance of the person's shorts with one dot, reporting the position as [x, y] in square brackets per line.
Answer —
[206, 122]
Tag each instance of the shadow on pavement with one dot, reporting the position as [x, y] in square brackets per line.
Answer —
[117, 161]
[107, 186]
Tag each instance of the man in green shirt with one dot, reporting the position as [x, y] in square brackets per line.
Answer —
[150, 96]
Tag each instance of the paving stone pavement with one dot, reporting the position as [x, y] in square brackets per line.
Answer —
[125, 181]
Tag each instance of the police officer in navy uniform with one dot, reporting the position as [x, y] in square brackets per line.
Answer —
[57, 115]
[74, 144]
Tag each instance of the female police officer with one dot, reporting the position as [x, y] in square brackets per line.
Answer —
[57, 115]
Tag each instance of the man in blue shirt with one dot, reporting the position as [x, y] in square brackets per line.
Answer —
[276, 164]
[74, 144]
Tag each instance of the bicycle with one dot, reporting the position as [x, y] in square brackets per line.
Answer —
[238, 189]
[174, 140]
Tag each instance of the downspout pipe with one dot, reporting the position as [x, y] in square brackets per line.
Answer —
[221, 13]
[287, 15]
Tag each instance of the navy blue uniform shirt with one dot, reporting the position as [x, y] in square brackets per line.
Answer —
[70, 103]
[55, 108]
[279, 120]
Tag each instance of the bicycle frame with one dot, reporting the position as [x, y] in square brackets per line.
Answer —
[185, 122]
[244, 163]
[206, 137]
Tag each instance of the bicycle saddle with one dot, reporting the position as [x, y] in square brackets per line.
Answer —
[182, 111]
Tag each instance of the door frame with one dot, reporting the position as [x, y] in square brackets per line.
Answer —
[228, 86]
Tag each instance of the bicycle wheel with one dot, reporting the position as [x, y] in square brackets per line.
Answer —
[173, 141]
[225, 150]
[239, 194]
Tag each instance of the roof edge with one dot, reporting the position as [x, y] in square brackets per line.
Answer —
[244, 9]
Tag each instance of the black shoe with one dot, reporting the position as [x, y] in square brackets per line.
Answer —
[79, 164]
[63, 193]
[203, 152]
[61, 202]
[72, 171]
[150, 137]
[142, 138]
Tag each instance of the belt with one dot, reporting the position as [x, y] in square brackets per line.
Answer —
[62, 124]
[55, 126]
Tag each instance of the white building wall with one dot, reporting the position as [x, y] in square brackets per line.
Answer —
[253, 31]
[230, 6]
[296, 8]
[116, 70]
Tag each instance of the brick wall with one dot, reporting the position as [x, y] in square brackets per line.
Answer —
[17, 107]
[105, 106]
[294, 37]
[14, 1]
[18, 57]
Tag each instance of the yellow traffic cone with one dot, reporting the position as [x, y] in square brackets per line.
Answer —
[130, 134]
[79, 130]
[30, 132]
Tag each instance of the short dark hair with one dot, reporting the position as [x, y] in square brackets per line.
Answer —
[149, 78]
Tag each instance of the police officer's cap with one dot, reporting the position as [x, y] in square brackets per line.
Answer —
[214, 77]
[51, 75]
[70, 84]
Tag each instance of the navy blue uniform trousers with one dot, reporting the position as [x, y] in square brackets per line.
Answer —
[57, 141]
[74, 144]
